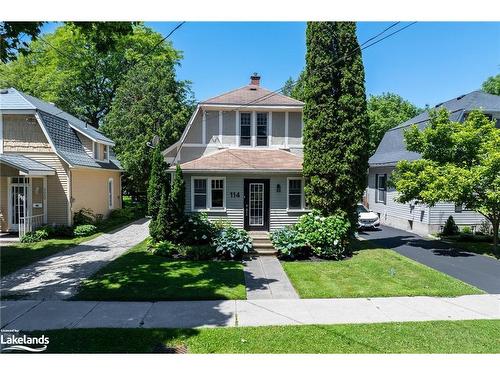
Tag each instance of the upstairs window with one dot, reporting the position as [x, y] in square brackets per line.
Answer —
[245, 129]
[381, 188]
[261, 129]
[106, 153]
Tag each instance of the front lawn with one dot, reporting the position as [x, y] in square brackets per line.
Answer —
[473, 336]
[372, 273]
[477, 247]
[18, 255]
[139, 275]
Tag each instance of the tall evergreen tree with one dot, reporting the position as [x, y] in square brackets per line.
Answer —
[178, 194]
[335, 118]
[158, 179]
[159, 226]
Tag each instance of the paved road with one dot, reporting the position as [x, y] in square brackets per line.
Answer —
[481, 271]
[45, 315]
[58, 276]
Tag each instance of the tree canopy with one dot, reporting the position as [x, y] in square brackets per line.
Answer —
[335, 119]
[492, 85]
[149, 102]
[12, 36]
[385, 112]
[460, 163]
[80, 66]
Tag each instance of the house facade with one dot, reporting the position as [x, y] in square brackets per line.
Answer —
[241, 157]
[51, 165]
[413, 216]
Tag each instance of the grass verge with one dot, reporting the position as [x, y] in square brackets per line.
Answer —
[473, 336]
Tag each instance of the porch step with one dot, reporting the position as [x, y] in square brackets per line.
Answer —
[262, 244]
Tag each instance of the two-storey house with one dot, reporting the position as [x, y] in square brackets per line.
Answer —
[413, 216]
[51, 165]
[241, 157]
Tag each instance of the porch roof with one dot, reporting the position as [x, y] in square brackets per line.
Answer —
[26, 165]
[241, 160]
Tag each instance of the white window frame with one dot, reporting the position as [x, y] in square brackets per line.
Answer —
[95, 148]
[209, 194]
[377, 188]
[267, 129]
[239, 129]
[302, 199]
[106, 153]
[111, 193]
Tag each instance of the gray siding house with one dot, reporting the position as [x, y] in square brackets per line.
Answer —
[241, 156]
[412, 216]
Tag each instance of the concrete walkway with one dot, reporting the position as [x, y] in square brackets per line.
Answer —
[58, 276]
[45, 315]
[266, 279]
[481, 271]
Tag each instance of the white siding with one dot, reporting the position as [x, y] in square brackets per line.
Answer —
[425, 220]
[279, 216]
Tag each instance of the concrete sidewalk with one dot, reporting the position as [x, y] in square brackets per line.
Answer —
[265, 278]
[45, 315]
[58, 276]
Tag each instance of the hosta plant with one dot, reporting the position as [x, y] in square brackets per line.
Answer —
[232, 243]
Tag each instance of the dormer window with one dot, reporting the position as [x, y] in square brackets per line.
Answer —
[106, 153]
[262, 129]
[96, 151]
[245, 129]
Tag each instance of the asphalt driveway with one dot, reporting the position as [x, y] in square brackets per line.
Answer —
[481, 271]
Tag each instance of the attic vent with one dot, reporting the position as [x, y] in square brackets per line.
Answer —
[460, 97]
[253, 88]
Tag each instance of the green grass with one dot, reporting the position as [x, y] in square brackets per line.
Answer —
[473, 336]
[18, 255]
[139, 275]
[372, 273]
[477, 247]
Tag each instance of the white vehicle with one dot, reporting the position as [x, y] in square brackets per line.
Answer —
[366, 217]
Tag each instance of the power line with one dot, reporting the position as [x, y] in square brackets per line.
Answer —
[278, 91]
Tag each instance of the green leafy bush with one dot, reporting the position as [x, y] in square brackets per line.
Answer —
[232, 243]
[164, 248]
[84, 216]
[290, 243]
[197, 252]
[328, 237]
[35, 236]
[197, 229]
[466, 230]
[84, 230]
[450, 228]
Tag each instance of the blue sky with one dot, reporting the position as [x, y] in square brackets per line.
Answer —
[427, 63]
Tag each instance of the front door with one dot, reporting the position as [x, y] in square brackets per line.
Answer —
[18, 201]
[256, 201]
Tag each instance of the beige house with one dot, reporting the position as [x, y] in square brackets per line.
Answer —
[51, 165]
[241, 157]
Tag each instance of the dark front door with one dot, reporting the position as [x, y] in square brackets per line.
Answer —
[256, 202]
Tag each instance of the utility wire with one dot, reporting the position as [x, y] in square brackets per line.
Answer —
[361, 47]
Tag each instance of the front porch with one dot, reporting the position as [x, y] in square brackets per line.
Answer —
[23, 194]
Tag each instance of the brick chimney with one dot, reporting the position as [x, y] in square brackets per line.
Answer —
[255, 79]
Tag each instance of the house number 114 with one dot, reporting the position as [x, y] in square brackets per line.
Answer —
[235, 194]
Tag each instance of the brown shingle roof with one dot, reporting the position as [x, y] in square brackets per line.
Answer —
[245, 160]
[253, 95]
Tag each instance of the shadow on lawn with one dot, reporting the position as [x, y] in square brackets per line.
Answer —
[141, 276]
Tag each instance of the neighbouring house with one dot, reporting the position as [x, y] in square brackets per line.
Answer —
[51, 165]
[412, 216]
[241, 156]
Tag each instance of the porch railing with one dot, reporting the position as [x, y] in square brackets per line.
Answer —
[29, 224]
